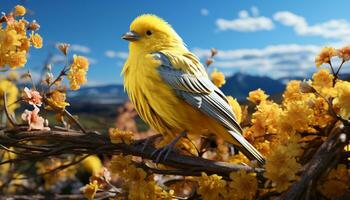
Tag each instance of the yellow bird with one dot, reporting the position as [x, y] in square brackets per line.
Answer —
[171, 90]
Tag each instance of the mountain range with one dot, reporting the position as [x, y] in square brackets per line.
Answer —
[237, 85]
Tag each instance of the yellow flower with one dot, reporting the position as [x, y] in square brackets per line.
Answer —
[17, 59]
[344, 53]
[119, 136]
[298, 114]
[11, 94]
[238, 158]
[90, 190]
[267, 116]
[292, 92]
[25, 45]
[9, 39]
[236, 108]
[218, 78]
[341, 101]
[57, 100]
[243, 184]
[36, 40]
[325, 56]
[323, 82]
[20, 27]
[120, 163]
[136, 174]
[77, 72]
[321, 114]
[76, 77]
[257, 96]
[281, 167]
[211, 187]
[20, 10]
[92, 164]
[80, 62]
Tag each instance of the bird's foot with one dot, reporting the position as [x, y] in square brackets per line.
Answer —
[146, 141]
[163, 153]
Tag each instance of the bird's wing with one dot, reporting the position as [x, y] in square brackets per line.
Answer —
[197, 90]
[188, 79]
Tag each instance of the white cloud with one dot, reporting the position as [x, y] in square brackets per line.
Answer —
[204, 12]
[79, 48]
[92, 61]
[116, 54]
[275, 60]
[245, 22]
[110, 54]
[57, 58]
[338, 29]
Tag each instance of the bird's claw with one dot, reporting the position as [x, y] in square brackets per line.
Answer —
[166, 150]
[162, 153]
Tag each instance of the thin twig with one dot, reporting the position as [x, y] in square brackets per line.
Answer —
[73, 119]
[9, 117]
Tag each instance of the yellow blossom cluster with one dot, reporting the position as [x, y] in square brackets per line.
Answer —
[242, 185]
[218, 78]
[77, 72]
[212, 187]
[257, 96]
[14, 39]
[90, 190]
[57, 100]
[281, 164]
[342, 98]
[136, 182]
[119, 136]
[325, 55]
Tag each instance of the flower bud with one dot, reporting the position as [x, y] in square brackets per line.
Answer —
[209, 61]
[63, 47]
[33, 26]
[213, 52]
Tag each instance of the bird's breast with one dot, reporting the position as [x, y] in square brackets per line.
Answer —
[153, 99]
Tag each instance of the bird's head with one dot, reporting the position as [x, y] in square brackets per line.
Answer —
[149, 33]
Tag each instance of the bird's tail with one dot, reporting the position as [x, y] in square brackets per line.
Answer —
[247, 149]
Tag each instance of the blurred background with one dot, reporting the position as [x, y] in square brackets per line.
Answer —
[261, 44]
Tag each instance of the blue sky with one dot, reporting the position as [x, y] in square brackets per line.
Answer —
[265, 37]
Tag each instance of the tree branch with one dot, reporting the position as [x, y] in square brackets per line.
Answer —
[79, 143]
[324, 159]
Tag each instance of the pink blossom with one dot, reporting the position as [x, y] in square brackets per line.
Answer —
[32, 97]
[34, 120]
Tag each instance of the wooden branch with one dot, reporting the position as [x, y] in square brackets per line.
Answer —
[324, 159]
[79, 143]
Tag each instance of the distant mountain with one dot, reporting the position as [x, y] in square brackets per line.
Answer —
[107, 94]
[239, 85]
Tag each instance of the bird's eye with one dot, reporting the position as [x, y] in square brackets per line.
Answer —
[149, 32]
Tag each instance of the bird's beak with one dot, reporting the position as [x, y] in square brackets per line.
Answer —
[131, 36]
